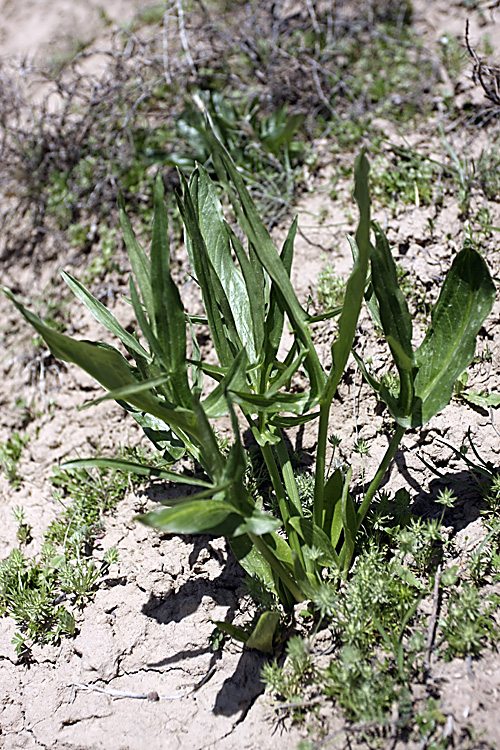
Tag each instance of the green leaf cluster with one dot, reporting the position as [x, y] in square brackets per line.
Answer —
[248, 302]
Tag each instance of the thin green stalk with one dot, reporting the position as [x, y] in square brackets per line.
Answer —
[288, 476]
[294, 499]
[277, 566]
[283, 501]
[267, 453]
[377, 479]
[324, 415]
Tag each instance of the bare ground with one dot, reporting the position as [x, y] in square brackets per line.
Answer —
[143, 638]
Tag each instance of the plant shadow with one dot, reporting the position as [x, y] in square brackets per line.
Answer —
[243, 685]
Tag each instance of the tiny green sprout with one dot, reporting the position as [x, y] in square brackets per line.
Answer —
[334, 440]
[446, 498]
[112, 556]
[10, 453]
[24, 529]
[216, 639]
[449, 576]
[361, 447]
[298, 651]
[325, 599]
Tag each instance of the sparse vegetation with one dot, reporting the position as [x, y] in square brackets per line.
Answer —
[356, 590]
[33, 589]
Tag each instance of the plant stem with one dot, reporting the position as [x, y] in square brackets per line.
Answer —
[377, 479]
[267, 453]
[324, 414]
[282, 498]
[288, 477]
[277, 566]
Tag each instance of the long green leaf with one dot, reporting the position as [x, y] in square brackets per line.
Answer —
[104, 316]
[294, 403]
[106, 365]
[125, 391]
[132, 467]
[169, 317]
[394, 315]
[465, 301]
[144, 324]
[349, 524]
[348, 322]
[356, 283]
[217, 241]
[275, 319]
[215, 517]
[139, 261]
[255, 294]
[220, 317]
[260, 240]
[332, 496]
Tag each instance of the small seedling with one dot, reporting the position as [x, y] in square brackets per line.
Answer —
[10, 453]
[23, 529]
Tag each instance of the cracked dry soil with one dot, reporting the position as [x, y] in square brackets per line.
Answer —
[140, 674]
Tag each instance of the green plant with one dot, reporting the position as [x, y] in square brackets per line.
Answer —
[23, 529]
[469, 622]
[299, 671]
[246, 302]
[10, 453]
[407, 177]
[453, 54]
[263, 147]
[32, 588]
[330, 288]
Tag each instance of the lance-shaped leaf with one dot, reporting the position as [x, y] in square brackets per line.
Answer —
[106, 365]
[169, 321]
[255, 292]
[394, 316]
[239, 289]
[104, 316]
[220, 317]
[268, 256]
[275, 319]
[465, 301]
[139, 261]
[332, 496]
[215, 517]
[132, 467]
[295, 403]
[355, 287]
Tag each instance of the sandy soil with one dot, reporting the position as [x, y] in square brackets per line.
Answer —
[146, 630]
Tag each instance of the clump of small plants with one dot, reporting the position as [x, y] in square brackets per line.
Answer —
[41, 592]
[10, 454]
[378, 628]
